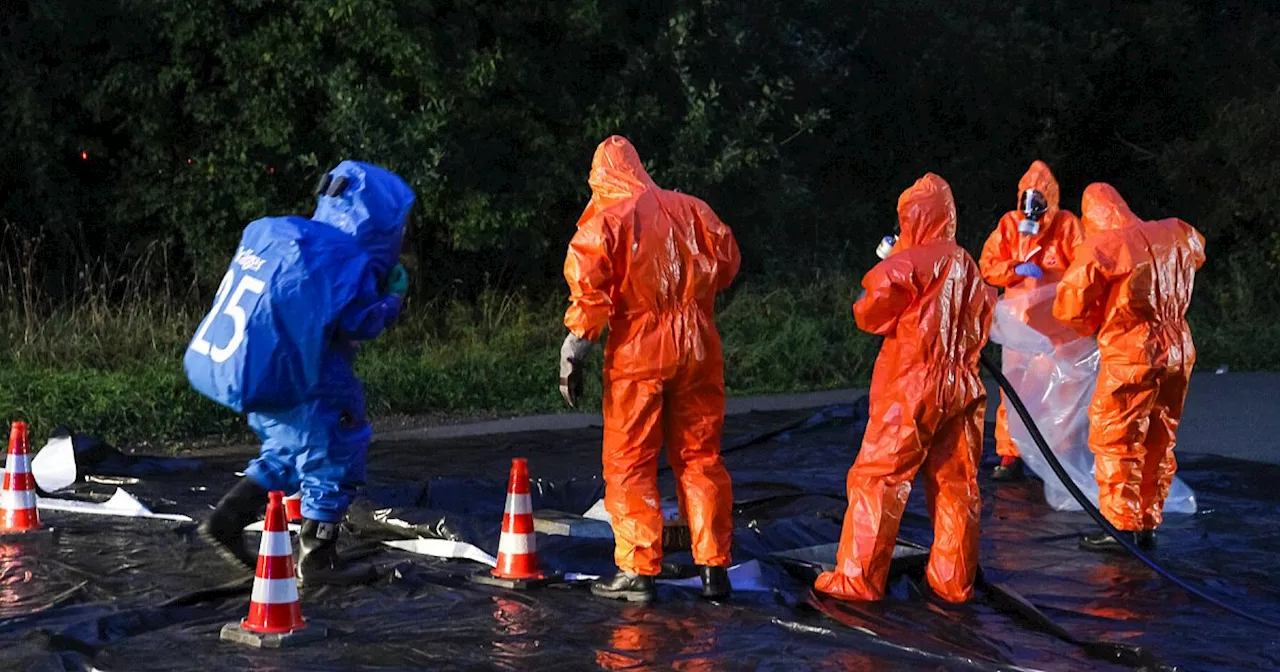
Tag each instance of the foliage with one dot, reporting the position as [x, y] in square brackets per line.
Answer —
[799, 120]
[142, 135]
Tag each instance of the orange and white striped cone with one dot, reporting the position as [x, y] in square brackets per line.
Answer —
[275, 615]
[293, 507]
[18, 511]
[517, 546]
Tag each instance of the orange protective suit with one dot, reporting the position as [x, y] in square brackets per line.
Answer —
[647, 263]
[1131, 282]
[1052, 249]
[927, 403]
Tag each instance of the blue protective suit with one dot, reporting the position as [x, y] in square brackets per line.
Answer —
[281, 341]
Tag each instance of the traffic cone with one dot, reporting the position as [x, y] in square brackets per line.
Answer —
[18, 497]
[293, 507]
[275, 616]
[517, 547]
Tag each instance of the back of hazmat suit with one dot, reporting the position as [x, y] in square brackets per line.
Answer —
[1131, 284]
[647, 264]
[927, 403]
[1026, 256]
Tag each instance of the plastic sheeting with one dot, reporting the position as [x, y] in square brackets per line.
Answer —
[142, 594]
[1056, 383]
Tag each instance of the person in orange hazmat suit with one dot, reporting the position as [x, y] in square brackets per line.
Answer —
[928, 300]
[647, 263]
[1030, 248]
[1131, 283]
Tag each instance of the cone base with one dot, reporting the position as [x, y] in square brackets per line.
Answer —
[487, 578]
[41, 532]
[237, 634]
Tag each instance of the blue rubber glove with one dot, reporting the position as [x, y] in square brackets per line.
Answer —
[398, 281]
[1029, 270]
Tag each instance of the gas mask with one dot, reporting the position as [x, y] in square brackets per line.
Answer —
[1033, 205]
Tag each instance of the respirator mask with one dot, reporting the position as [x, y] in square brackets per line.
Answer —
[1033, 206]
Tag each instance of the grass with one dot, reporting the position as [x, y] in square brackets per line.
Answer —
[99, 366]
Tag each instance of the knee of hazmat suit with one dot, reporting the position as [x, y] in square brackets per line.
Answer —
[647, 263]
[1045, 237]
[929, 302]
[280, 340]
[1131, 284]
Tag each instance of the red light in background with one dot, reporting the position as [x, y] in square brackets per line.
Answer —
[84, 156]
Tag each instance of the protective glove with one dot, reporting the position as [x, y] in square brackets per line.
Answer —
[573, 361]
[1028, 270]
[397, 281]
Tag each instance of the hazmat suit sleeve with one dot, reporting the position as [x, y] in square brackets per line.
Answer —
[890, 289]
[588, 269]
[370, 313]
[998, 260]
[722, 244]
[1080, 301]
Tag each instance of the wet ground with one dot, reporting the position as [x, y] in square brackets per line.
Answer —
[132, 594]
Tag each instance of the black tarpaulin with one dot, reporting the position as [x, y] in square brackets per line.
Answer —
[130, 594]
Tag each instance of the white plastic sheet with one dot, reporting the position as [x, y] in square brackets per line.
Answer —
[1056, 384]
[443, 548]
[54, 467]
[120, 504]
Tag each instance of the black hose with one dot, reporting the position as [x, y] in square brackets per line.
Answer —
[1012, 397]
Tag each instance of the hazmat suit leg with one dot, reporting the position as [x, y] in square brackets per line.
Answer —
[1160, 464]
[694, 403]
[951, 473]
[633, 436]
[319, 448]
[1119, 419]
[1005, 447]
[879, 482]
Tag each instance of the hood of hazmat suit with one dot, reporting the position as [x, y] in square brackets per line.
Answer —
[927, 403]
[372, 208]
[646, 263]
[1131, 283]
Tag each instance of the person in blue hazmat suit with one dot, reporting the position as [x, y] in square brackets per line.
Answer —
[280, 344]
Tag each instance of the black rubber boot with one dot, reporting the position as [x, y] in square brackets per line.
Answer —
[1008, 470]
[224, 530]
[319, 562]
[715, 583]
[1105, 543]
[626, 586]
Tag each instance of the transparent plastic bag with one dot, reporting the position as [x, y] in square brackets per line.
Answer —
[1055, 374]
